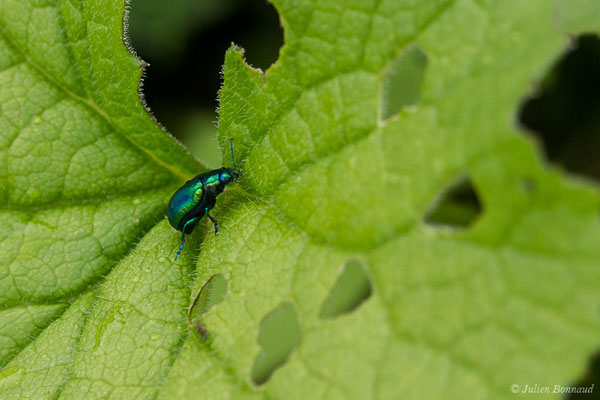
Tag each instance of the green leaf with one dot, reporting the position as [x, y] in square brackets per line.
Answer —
[92, 303]
[18, 324]
[43, 367]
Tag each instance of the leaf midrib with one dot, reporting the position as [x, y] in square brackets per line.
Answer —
[79, 202]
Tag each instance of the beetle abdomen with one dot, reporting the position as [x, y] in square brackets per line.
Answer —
[182, 203]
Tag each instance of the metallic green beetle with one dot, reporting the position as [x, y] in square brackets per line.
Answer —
[197, 197]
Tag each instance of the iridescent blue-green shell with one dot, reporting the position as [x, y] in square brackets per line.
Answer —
[183, 202]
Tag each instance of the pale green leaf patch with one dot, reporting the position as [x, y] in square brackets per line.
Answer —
[19, 325]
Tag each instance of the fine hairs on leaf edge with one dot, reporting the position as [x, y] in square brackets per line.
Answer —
[143, 65]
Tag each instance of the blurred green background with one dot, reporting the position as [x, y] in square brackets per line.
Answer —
[185, 42]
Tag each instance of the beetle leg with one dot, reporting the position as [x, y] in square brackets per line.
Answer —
[179, 250]
[191, 221]
[213, 220]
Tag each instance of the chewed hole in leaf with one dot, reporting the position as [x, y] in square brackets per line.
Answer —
[211, 293]
[278, 335]
[564, 113]
[403, 81]
[350, 290]
[457, 206]
[186, 39]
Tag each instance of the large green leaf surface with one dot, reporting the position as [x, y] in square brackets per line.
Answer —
[92, 304]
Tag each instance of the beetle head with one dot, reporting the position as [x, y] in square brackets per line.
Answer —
[228, 175]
